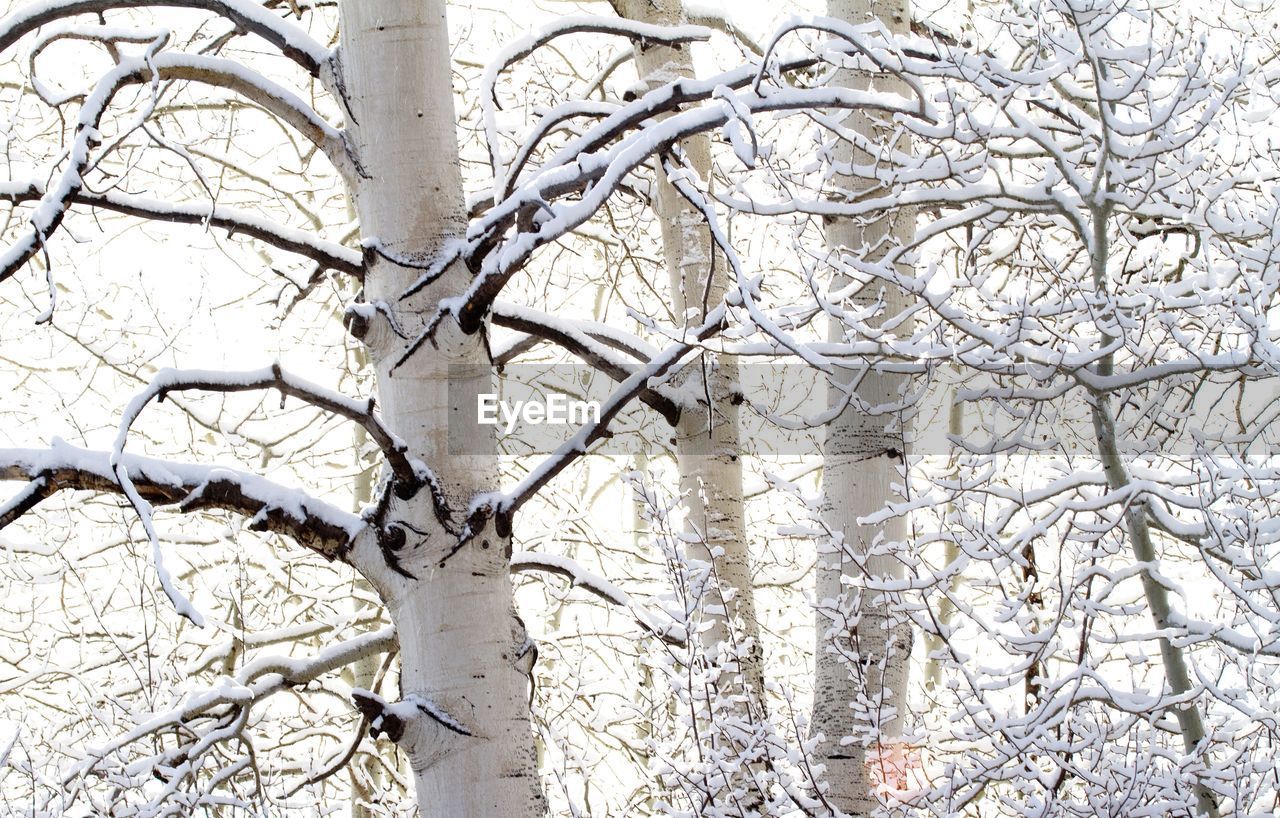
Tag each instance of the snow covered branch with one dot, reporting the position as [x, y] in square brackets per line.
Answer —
[313, 523]
[207, 720]
[579, 577]
[293, 41]
[410, 475]
[152, 67]
[518, 50]
[587, 348]
[326, 254]
[504, 506]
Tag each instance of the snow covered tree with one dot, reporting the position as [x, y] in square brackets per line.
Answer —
[378, 113]
[1107, 234]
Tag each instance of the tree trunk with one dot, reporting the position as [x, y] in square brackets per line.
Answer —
[708, 447]
[1176, 669]
[950, 553]
[463, 720]
[862, 653]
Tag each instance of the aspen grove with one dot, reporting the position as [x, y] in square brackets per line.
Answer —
[995, 534]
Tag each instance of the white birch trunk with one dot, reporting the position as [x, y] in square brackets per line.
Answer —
[708, 453]
[455, 619]
[863, 698]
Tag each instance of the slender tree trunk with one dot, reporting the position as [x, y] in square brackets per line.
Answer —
[1176, 669]
[861, 661]
[950, 553]
[464, 719]
[708, 445]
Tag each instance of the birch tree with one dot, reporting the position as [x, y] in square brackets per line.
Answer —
[863, 649]
[1114, 232]
[708, 445]
[435, 544]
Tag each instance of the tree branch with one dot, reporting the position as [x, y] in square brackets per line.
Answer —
[293, 41]
[153, 67]
[579, 577]
[410, 474]
[586, 348]
[313, 523]
[327, 254]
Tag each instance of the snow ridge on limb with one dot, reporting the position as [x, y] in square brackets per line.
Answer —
[293, 41]
[408, 474]
[313, 523]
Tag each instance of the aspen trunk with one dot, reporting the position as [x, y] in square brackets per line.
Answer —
[464, 720]
[861, 662]
[1176, 668]
[708, 447]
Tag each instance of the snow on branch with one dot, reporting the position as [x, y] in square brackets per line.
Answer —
[713, 16]
[585, 185]
[293, 41]
[152, 68]
[326, 254]
[502, 506]
[576, 24]
[208, 719]
[313, 523]
[587, 348]
[410, 474]
[579, 577]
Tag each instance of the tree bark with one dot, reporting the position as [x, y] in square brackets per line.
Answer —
[862, 652]
[463, 720]
[708, 445]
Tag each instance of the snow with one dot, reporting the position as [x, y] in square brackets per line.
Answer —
[61, 455]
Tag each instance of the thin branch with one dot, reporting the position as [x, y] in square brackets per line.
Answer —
[579, 577]
[410, 474]
[585, 348]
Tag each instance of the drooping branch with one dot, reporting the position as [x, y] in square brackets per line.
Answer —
[294, 42]
[326, 254]
[313, 523]
[670, 632]
[151, 67]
